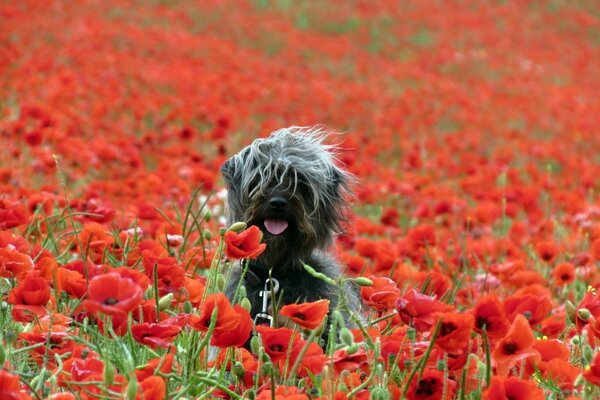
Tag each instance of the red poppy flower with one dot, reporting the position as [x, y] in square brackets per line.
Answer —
[152, 388]
[593, 374]
[245, 244]
[342, 361]
[165, 362]
[546, 250]
[112, 294]
[95, 237]
[234, 337]
[71, 282]
[489, 315]
[419, 309]
[277, 341]
[156, 335]
[313, 359]
[591, 304]
[282, 393]
[564, 274]
[561, 372]
[431, 386]
[12, 214]
[512, 388]
[10, 387]
[233, 326]
[534, 308]
[382, 295]
[32, 290]
[454, 332]
[307, 315]
[13, 263]
[517, 345]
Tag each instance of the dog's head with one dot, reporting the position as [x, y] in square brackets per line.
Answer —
[290, 187]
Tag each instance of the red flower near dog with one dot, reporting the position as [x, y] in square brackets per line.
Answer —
[307, 315]
[156, 335]
[382, 295]
[112, 294]
[233, 326]
[245, 244]
[277, 341]
[418, 309]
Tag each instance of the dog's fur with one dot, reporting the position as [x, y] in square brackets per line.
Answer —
[290, 176]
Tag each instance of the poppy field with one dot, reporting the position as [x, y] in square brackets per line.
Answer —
[473, 131]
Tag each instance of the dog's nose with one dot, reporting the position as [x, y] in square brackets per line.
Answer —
[277, 203]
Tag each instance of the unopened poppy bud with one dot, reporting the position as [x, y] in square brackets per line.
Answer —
[249, 394]
[238, 369]
[411, 334]
[266, 369]
[346, 336]
[246, 305]
[441, 365]
[207, 215]
[222, 231]
[238, 226]
[588, 353]
[187, 307]
[338, 318]
[220, 282]
[570, 310]
[584, 314]
[575, 340]
[206, 234]
[132, 388]
[255, 344]
[579, 381]
[242, 292]
[379, 393]
[109, 373]
[353, 348]
[165, 301]
[362, 281]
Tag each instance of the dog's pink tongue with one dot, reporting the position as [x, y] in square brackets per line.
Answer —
[276, 226]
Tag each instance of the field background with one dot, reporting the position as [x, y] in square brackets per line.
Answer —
[473, 128]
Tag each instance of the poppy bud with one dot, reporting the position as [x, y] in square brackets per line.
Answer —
[311, 271]
[441, 365]
[207, 235]
[220, 282]
[338, 318]
[584, 314]
[346, 336]
[242, 292]
[266, 369]
[362, 281]
[246, 305]
[165, 301]
[411, 334]
[222, 231]
[207, 215]
[255, 344]
[353, 348]
[238, 369]
[238, 226]
[379, 393]
[588, 353]
[187, 307]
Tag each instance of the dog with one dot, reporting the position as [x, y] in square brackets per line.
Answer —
[290, 186]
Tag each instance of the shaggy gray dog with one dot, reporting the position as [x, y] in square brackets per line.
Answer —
[291, 188]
